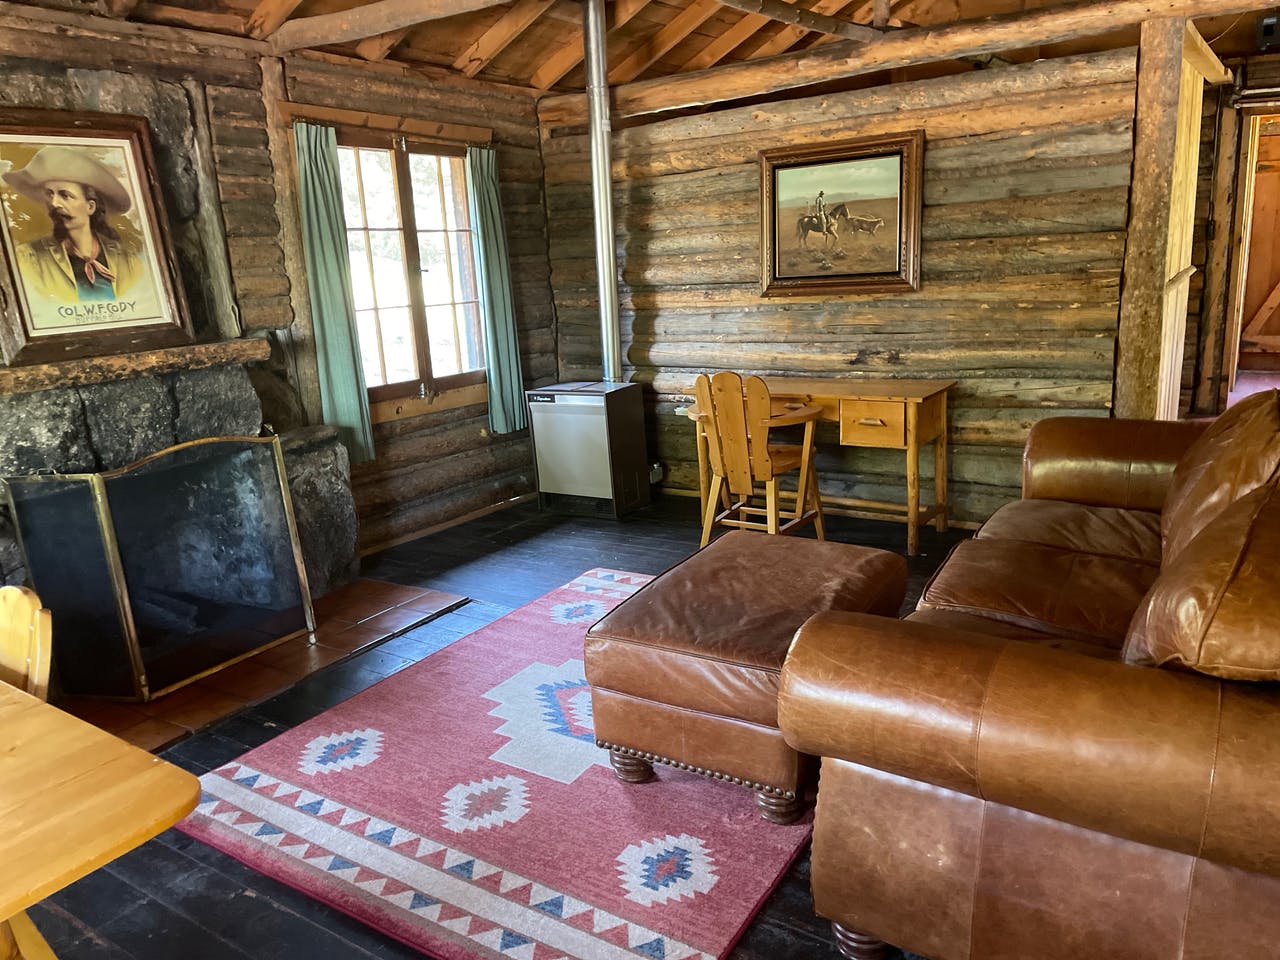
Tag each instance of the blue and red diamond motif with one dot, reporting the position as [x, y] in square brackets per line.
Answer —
[341, 751]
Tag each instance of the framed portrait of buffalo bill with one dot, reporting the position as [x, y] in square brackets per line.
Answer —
[841, 217]
[89, 269]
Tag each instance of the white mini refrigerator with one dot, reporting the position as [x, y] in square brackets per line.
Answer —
[589, 444]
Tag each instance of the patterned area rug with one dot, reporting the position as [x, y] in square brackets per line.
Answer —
[462, 807]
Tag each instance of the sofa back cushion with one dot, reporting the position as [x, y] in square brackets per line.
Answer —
[1237, 454]
[1216, 609]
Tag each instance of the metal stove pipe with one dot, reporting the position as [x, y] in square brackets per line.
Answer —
[593, 40]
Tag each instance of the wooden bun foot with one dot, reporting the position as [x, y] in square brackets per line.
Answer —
[630, 769]
[858, 946]
[779, 809]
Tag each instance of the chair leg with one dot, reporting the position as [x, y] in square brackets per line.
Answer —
[20, 939]
[819, 524]
[713, 508]
[771, 504]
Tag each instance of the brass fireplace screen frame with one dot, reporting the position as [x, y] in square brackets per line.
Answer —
[98, 487]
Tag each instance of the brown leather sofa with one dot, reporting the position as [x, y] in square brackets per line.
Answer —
[1071, 749]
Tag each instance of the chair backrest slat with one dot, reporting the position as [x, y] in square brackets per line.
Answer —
[26, 640]
[734, 412]
[759, 408]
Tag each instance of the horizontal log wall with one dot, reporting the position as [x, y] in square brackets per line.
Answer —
[1026, 180]
[434, 468]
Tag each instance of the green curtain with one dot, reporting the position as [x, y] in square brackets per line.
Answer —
[502, 354]
[343, 400]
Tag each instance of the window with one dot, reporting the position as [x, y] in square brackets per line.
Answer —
[413, 269]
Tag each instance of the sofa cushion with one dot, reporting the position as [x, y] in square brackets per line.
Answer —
[972, 623]
[1237, 454]
[1109, 531]
[1061, 592]
[1215, 608]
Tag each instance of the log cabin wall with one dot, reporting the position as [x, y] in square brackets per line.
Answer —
[1026, 181]
[431, 468]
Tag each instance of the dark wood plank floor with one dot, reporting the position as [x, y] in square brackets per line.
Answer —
[176, 899]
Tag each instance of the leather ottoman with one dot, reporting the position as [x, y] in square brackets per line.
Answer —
[685, 671]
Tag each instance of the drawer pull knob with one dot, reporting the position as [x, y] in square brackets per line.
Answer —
[870, 422]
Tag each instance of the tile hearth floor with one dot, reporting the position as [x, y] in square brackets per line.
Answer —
[355, 617]
[174, 897]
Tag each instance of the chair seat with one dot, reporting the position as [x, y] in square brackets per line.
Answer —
[785, 457]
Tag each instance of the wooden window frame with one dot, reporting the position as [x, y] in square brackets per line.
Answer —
[401, 146]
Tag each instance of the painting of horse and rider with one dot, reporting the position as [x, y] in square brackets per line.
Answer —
[848, 217]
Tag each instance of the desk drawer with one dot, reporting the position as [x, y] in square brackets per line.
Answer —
[873, 423]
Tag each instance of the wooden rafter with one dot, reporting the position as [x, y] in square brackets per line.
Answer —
[741, 32]
[881, 10]
[570, 55]
[231, 23]
[798, 16]
[681, 25]
[787, 37]
[370, 20]
[901, 48]
[866, 9]
[377, 48]
[268, 16]
[499, 36]
[1264, 312]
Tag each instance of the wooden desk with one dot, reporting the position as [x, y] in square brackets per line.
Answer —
[895, 414]
[72, 798]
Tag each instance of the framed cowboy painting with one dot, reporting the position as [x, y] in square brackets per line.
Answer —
[89, 268]
[841, 217]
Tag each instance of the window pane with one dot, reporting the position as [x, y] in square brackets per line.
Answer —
[361, 281]
[472, 336]
[455, 193]
[464, 268]
[390, 287]
[437, 288]
[379, 188]
[444, 354]
[423, 175]
[367, 333]
[350, 187]
[397, 345]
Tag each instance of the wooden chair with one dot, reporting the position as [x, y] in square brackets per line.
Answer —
[26, 638]
[736, 417]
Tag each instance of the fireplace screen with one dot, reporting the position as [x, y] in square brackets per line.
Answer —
[165, 570]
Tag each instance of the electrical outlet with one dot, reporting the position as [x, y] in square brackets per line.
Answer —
[655, 473]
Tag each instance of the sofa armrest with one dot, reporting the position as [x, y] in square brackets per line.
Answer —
[1106, 463]
[1173, 760]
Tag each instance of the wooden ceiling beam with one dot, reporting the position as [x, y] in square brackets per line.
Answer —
[880, 14]
[120, 9]
[377, 48]
[681, 25]
[570, 55]
[268, 16]
[744, 30]
[788, 37]
[902, 48]
[499, 36]
[808, 20]
[379, 17]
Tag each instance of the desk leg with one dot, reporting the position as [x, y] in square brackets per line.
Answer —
[940, 478]
[913, 479]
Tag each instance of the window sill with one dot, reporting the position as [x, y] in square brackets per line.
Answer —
[385, 411]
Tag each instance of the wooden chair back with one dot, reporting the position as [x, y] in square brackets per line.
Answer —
[737, 443]
[26, 641]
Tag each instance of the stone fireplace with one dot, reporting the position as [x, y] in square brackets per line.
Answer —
[167, 398]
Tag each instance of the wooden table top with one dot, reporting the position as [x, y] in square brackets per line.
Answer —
[73, 797]
[886, 389]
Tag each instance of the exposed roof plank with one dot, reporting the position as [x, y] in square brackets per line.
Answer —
[192, 19]
[723, 45]
[901, 48]
[377, 48]
[496, 39]
[788, 36]
[382, 16]
[790, 13]
[681, 25]
[570, 55]
[268, 16]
